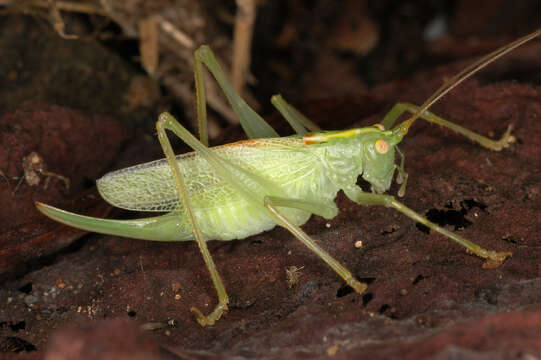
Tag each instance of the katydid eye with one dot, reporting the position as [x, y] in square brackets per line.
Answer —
[382, 146]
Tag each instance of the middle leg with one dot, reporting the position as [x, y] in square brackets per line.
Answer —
[271, 204]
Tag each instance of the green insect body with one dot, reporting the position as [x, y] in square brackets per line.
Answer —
[310, 172]
[241, 189]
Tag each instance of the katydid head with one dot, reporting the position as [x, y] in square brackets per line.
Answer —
[378, 157]
[372, 152]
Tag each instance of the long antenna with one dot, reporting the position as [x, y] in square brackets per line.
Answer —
[463, 75]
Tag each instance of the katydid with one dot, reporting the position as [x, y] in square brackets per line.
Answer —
[237, 190]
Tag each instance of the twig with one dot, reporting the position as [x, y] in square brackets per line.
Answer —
[57, 21]
[242, 42]
[181, 37]
[61, 5]
[149, 43]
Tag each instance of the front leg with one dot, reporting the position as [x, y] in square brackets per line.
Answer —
[495, 145]
[494, 258]
[402, 177]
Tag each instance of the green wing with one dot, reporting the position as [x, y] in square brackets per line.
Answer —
[150, 186]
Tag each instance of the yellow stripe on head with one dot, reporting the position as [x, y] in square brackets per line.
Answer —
[318, 138]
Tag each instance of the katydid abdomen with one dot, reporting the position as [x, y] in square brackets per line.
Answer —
[222, 213]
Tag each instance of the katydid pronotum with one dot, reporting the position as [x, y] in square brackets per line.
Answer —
[241, 189]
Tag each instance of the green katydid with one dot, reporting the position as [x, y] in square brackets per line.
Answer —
[237, 190]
